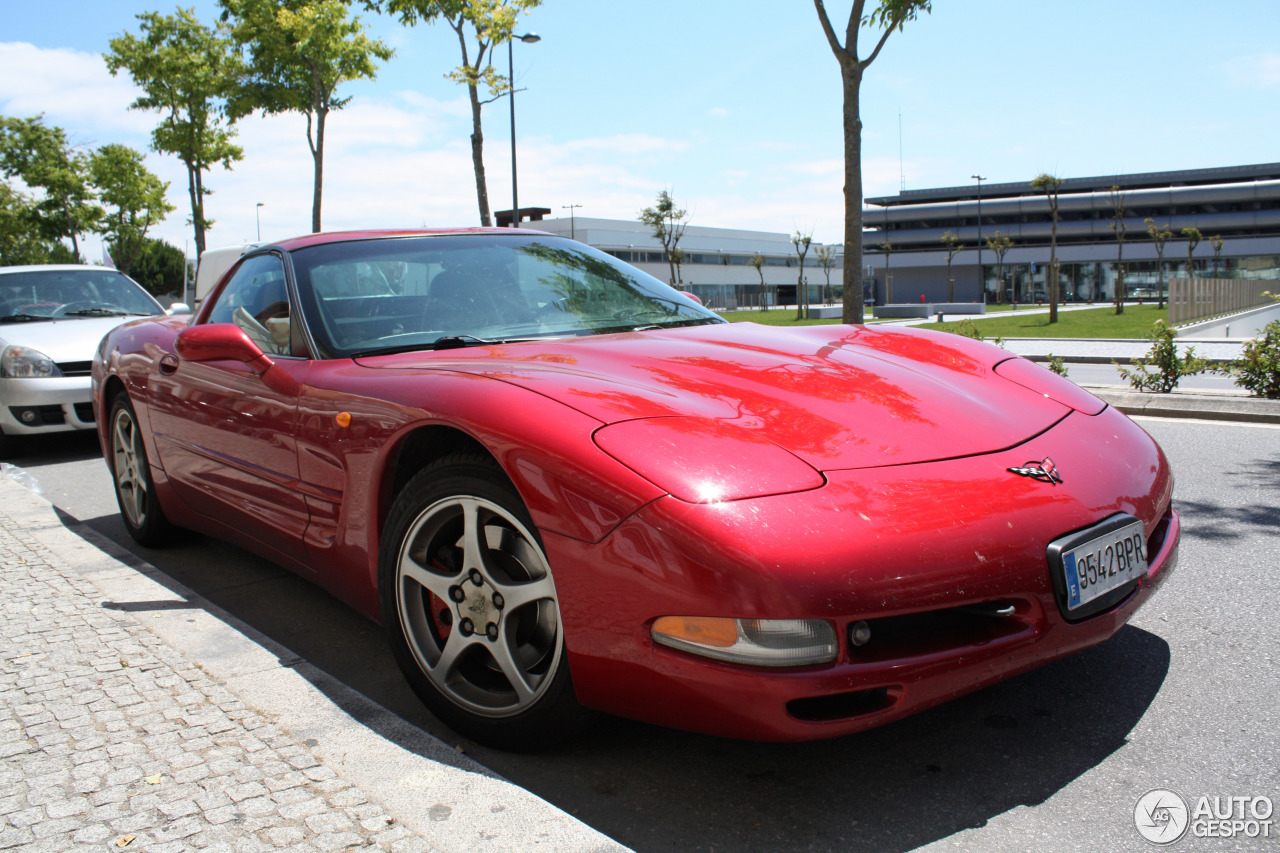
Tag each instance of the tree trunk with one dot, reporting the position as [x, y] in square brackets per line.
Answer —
[1053, 268]
[477, 157]
[317, 156]
[1120, 280]
[196, 191]
[851, 78]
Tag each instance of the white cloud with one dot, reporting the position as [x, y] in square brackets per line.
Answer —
[403, 159]
[718, 112]
[73, 89]
[1260, 70]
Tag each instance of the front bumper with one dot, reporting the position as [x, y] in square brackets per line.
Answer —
[59, 404]
[946, 561]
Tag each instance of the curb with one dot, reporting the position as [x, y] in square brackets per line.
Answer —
[433, 790]
[1215, 407]
[1107, 359]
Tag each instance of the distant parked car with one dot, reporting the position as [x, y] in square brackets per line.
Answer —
[51, 319]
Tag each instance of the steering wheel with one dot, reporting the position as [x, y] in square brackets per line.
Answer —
[82, 304]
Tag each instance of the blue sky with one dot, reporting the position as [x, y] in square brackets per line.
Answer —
[732, 106]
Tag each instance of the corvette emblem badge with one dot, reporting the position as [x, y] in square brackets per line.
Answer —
[1044, 471]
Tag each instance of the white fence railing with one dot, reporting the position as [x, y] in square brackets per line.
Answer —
[1192, 299]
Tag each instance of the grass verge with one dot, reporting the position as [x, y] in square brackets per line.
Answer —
[1135, 322]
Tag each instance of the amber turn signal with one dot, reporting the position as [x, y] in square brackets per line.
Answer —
[755, 642]
[702, 630]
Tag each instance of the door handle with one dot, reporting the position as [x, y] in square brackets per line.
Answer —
[168, 364]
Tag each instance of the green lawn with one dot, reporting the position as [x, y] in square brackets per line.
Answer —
[773, 317]
[1102, 322]
[1135, 322]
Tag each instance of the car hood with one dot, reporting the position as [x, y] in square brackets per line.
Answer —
[837, 397]
[64, 339]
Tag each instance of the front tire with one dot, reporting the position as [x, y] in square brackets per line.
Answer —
[131, 476]
[470, 607]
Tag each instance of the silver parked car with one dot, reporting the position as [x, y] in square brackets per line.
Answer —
[51, 320]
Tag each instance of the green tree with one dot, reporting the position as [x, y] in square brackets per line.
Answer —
[1049, 185]
[953, 244]
[801, 242]
[40, 157]
[481, 27]
[888, 15]
[296, 54]
[826, 255]
[757, 261]
[1000, 244]
[186, 71]
[667, 222]
[1193, 238]
[21, 240]
[1217, 242]
[158, 267]
[1159, 235]
[1118, 213]
[134, 198]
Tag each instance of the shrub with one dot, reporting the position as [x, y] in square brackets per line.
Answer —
[1258, 368]
[1163, 366]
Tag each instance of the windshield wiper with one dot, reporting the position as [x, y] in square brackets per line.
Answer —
[442, 342]
[97, 312]
[24, 318]
[458, 341]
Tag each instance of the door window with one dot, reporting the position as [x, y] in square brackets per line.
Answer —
[257, 300]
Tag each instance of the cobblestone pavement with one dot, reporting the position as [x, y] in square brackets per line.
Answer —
[110, 739]
[137, 716]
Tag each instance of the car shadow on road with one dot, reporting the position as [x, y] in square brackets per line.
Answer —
[890, 789]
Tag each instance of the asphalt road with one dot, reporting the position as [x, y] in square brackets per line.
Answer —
[1187, 698]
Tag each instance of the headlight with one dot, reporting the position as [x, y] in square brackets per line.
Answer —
[755, 642]
[1045, 382]
[706, 460]
[26, 363]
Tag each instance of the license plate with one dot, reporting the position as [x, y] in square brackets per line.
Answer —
[1104, 563]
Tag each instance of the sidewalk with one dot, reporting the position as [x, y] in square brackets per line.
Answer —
[137, 716]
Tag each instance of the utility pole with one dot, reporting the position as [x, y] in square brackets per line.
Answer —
[573, 231]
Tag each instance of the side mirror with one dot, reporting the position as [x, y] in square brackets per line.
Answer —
[178, 308]
[228, 342]
[219, 342]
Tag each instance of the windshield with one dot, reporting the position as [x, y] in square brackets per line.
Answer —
[417, 292]
[56, 294]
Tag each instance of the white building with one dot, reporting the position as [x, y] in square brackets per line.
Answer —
[717, 261]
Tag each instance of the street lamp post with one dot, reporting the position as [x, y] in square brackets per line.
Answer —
[527, 38]
[573, 232]
[257, 212]
[982, 282]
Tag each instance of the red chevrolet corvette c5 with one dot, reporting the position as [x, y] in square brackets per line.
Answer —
[560, 484]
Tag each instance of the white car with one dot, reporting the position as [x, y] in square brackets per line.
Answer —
[51, 320]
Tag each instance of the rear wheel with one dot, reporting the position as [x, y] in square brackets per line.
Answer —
[131, 475]
[470, 605]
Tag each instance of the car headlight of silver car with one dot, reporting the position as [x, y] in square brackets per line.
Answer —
[19, 362]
